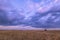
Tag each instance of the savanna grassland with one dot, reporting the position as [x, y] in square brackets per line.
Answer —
[29, 35]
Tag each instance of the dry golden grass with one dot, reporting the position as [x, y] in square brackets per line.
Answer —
[29, 35]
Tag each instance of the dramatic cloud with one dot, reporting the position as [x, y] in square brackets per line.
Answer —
[32, 13]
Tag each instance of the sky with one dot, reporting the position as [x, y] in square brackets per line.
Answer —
[32, 13]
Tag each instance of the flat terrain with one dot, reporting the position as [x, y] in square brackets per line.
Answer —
[29, 35]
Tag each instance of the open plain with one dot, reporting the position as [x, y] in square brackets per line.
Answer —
[29, 35]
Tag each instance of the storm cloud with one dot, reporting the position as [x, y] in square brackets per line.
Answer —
[35, 13]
